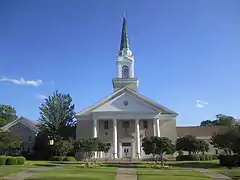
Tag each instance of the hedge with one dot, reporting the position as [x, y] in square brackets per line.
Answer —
[3, 160]
[69, 158]
[12, 160]
[62, 158]
[21, 160]
[9, 160]
[229, 160]
[196, 157]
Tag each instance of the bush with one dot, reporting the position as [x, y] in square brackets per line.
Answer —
[3, 160]
[11, 160]
[21, 160]
[56, 158]
[229, 160]
[188, 158]
[196, 157]
[69, 158]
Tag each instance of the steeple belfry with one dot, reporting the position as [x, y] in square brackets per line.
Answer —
[125, 63]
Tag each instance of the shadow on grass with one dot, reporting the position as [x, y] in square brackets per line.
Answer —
[201, 165]
[46, 165]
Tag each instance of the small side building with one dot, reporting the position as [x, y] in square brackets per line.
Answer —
[26, 130]
[203, 132]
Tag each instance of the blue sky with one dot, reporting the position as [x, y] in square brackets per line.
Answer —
[185, 51]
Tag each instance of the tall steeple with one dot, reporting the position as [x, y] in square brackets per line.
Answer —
[124, 38]
[125, 63]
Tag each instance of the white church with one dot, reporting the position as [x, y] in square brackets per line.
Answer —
[125, 117]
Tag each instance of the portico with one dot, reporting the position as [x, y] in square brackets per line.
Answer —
[118, 141]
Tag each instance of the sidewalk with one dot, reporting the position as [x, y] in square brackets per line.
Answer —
[213, 174]
[126, 174]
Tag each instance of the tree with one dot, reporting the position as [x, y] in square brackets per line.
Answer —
[221, 119]
[57, 116]
[187, 143]
[8, 142]
[206, 123]
[62, 147]
[88, 146]
[202, 146]
[228, 141]
[7, 114]
[158, 145]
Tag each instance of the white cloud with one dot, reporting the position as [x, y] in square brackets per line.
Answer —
[41, 96]
[201, 104]
[21, 81]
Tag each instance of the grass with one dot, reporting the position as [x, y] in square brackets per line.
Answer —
[233, 173]
[6, 170]
[74, 172]
[171, 175]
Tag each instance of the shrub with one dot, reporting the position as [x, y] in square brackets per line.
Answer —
[229, 160]
[56, 158]
[69, 158]
[11, 160]
[21, 160]
[196, 157]
[3, 160]
[188, 158]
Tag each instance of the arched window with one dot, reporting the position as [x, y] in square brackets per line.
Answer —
[125, 71]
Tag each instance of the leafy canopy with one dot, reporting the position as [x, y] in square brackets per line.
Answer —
[7, 114]
[221, 119]
[228, 141]
[57, 116]
[8, 142]
[158, 145]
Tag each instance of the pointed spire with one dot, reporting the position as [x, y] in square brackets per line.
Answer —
[124, 38]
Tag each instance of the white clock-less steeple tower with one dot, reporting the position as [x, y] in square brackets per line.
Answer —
[125, 64]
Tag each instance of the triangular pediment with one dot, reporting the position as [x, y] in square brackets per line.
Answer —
[127, 103]
[116, 102]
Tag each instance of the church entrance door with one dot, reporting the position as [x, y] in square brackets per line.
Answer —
[126, 150]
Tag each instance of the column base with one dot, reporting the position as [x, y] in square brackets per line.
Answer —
[138, 156]
[115, 156]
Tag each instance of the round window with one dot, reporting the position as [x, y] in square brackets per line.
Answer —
[125, 103]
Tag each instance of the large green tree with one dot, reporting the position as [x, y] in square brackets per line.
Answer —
[8, 141]
[57, 116]
[221, 119]
[87, 147]
[202, 146]
[7, 114]
[158, 145]
[228, 141]
[187, 143]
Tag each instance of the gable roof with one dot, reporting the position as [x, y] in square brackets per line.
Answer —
[32, 125]
[201, 131]
[126, 90]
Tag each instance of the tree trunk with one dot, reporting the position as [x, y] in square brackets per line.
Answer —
[162, 163]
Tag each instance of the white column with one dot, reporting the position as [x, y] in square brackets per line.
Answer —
[94, 128]
[138, 145]
[154, 128]
[115, 139]
[158, 128]
[95, 133]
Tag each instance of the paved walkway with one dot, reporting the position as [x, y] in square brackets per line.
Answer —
[28, 173]
[213, 174]
[126, 174]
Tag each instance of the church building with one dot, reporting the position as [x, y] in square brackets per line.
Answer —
[125, 117]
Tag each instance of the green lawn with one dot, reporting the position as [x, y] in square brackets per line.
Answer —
[171, 175]
[74, 172]
[233, 173]
[6, 170]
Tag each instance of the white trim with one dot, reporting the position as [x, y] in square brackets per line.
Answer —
[129, 92]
